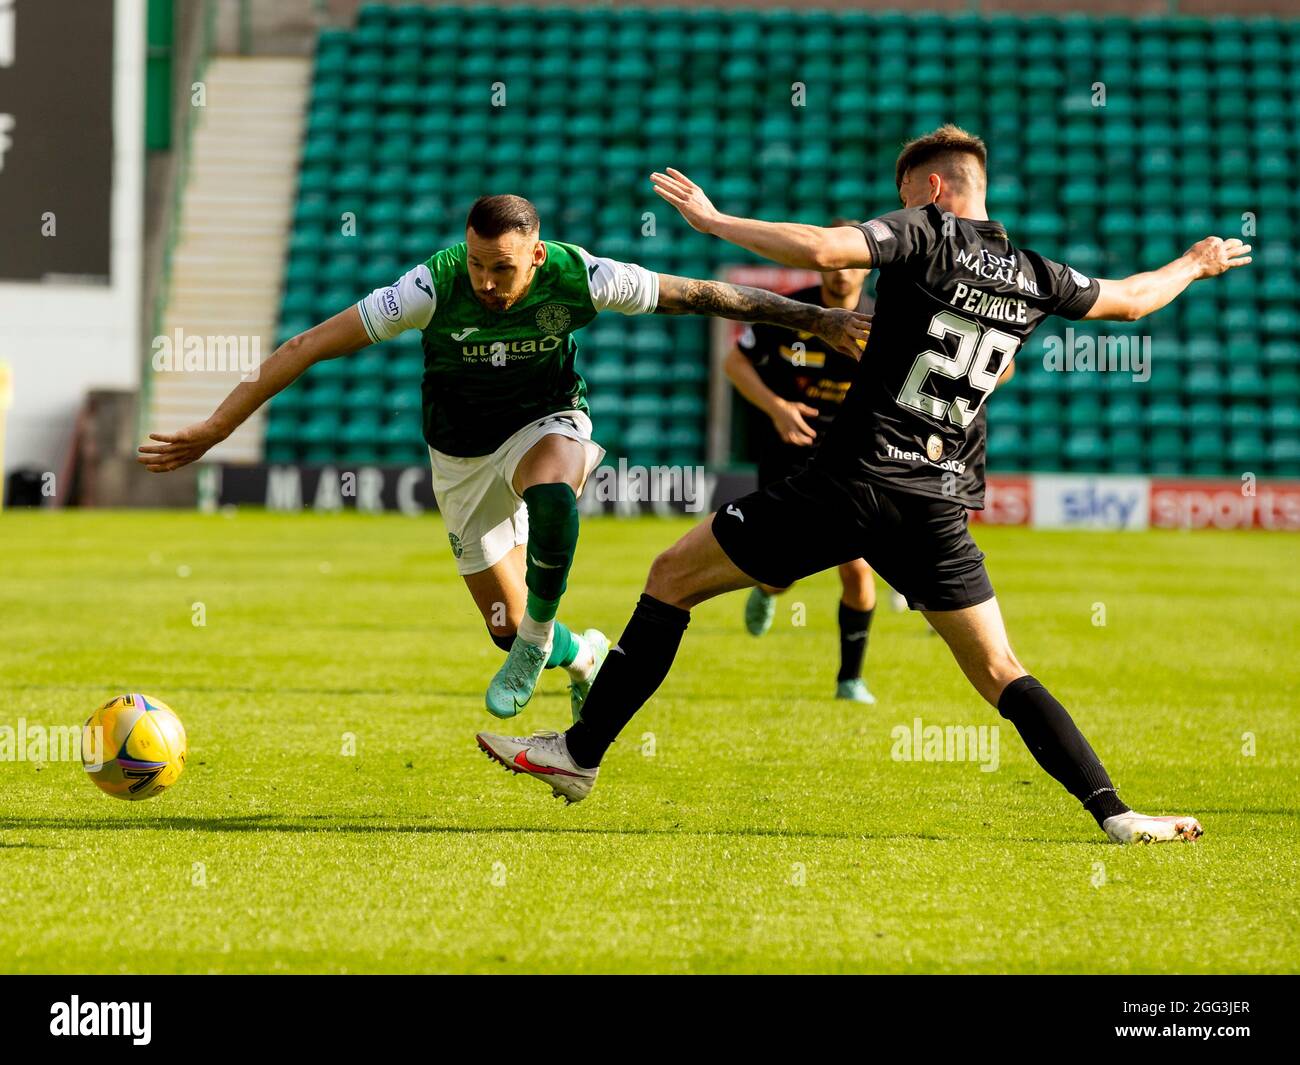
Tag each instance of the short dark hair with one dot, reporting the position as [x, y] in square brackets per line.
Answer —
[950, 146]
[495, 216]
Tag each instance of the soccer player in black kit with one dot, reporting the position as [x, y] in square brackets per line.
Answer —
[904, 459]
[799, 382]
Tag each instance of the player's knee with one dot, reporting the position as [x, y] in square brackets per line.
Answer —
[663, 581]
[661, 573]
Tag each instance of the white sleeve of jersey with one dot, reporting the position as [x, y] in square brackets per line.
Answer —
[409, 303]
[623, 287]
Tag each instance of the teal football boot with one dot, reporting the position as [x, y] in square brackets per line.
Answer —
[855, 690]
[513, 685]
[760, 609]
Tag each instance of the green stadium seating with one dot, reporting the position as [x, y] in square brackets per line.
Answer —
[1199, 126]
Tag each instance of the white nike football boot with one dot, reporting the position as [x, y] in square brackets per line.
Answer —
[1133, 827]
[543, 755]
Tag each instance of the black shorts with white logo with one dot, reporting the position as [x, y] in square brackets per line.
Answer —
[814, 521]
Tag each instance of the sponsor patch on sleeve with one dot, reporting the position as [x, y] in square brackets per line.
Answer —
[1082, 280]
[390, 306]
[879, 230]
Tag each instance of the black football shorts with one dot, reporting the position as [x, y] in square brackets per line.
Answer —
[814, 521]
[779, 463]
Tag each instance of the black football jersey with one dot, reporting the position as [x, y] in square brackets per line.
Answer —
[801, 366]
[954, 301]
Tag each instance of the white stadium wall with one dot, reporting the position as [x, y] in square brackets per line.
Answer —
[63, 339]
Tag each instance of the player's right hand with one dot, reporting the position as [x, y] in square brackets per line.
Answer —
[788, 421]
[174, 450]
[1215, 256]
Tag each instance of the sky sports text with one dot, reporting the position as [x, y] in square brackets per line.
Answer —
[74, 1017]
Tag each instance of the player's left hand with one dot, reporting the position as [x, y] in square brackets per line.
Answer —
[846, 330]
[1214, 256]
[688, 198]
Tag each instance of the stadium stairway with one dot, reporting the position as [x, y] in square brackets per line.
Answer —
[236, 213]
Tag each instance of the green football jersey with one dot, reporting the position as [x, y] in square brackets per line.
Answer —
[488, 373]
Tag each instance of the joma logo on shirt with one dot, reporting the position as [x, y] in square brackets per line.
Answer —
[498, 348]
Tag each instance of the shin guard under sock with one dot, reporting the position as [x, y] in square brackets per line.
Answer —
[855, 625]
[552, 540]
[1059, 747]
[635, 668]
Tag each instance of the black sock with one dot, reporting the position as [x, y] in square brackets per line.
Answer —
[1059, 747]
[636, 666]
[854, 627]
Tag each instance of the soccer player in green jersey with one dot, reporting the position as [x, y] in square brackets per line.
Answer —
[505, 411]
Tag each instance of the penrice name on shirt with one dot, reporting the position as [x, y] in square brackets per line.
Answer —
[986, 305]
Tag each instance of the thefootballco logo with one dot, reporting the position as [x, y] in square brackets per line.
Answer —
[103, 1018]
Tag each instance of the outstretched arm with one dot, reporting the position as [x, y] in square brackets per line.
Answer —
[340, 335]
[687, 295]
[789, 243]
[1138, 295]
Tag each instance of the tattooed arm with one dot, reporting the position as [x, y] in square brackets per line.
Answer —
[687, 295]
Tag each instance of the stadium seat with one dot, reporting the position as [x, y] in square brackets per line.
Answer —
[1185, 144]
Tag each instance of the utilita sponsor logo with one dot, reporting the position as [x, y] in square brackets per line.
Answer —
[75, 1017]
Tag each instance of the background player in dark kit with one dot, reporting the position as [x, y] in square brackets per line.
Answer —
[903, 460]
[799, 383]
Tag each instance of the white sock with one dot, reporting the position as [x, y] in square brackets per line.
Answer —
[583, 663]
[538, 633]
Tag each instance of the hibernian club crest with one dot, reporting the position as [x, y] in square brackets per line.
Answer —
[553, 318]
[457, 548]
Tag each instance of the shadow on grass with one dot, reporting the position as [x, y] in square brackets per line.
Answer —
[414, 694]
[411, 693]
[326, 824]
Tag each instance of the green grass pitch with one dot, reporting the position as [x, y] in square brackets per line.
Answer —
[746, 822]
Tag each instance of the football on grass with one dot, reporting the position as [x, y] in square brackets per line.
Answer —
[133, 747]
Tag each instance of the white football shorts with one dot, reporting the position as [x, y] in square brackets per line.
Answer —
[485, 519]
